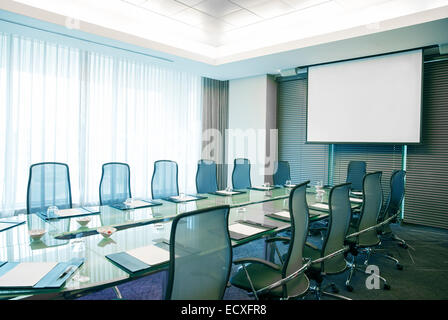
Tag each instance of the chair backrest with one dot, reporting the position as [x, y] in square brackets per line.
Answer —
[164, 179]
[206, 180]
[48, 185]
[281, 172]
[396, 194]
[299, 229]
[371, 208]
[200, 255]
[355, 173]
[338, 224]
[241, 174]
[115, 183]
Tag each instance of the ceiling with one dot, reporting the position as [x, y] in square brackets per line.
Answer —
[233, 35]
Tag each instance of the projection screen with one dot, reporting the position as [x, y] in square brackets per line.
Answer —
[368, 100]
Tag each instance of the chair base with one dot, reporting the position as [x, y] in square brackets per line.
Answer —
[393, 237]
[118, 293]
[353, 267]
[319, 292]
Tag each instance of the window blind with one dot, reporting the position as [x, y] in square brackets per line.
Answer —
[427, 163]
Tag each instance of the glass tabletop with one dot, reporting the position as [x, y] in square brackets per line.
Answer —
[66, 238]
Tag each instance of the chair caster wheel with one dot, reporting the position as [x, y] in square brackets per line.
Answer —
[399, 266]
[349, 288]
[386, 286]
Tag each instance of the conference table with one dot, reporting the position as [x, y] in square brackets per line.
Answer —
[65, 239]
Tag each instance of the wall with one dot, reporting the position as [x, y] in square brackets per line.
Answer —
[252, 104]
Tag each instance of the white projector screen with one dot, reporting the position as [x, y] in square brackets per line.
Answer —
[368, 100]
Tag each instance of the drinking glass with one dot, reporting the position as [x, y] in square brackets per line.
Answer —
[128, 202]
[52, 212]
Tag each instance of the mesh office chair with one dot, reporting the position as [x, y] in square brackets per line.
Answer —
[200, 255]
[334, 241]
[206, 180]
[164, 179]
[355, 173]
[266, 279]
[48, 185]
[363, 231]
[282, 173]
[390, 215]
[241, 174]
[393, 206]
[115, 185]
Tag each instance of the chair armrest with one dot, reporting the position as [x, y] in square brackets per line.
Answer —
[283, 239]
[332, 255]
[287, 279]
[309, 244]
[257, 260]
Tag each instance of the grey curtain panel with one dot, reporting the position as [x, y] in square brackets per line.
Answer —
[215, 118]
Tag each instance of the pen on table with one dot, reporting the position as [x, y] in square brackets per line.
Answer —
[70, 268]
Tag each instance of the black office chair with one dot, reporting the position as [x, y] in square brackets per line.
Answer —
[206, 180]
[265, 279]
[241, 174]
[200, 255]
[390, 215]
[356, 171]
[363, 234]
[333, 243]
[282, 173]
[164, 181]
[115, 183]
[48, 185]
[393, 208]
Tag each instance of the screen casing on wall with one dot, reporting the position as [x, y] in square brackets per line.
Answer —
[368, 100]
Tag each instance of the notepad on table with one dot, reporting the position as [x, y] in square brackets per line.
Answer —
[356, 193]
[26, 274]
[185, 198]
[72, 212]
[138, 203]
[5, 225]
[355, 200]
[141, 258]
[244, 229]
[282, 214]
[150, 255]
[227, 193]
[320, 206]
[263, 188]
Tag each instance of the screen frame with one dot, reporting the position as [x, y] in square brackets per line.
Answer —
[370, 143]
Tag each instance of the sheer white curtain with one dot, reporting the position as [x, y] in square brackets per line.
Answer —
[86, 108]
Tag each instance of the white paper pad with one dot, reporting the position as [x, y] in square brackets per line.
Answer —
[150, 255]
[264, 188]
[290, 186]
[226, 192]
[357, 193]
[245, 229]
[71, 212]
[320, 205]
[186, 198]
[26, 274]
[283, 214]
[138, 203]
[356, 200]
